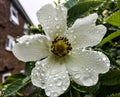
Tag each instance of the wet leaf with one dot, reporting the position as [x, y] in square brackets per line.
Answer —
[114, 19]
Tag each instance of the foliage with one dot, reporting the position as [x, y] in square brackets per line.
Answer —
[109, 83]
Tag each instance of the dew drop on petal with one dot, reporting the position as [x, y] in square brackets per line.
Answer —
[77, 76]
[55, 94]
[27, 43]
[57, 27]
[99, 53]
[50, 85]
[62, 9]
[47, 27]
[71, 31]
[49, 16]
[100, 59]
[54, 78]
[86, 69]
[56, 19]
[104, 58]
[63, 88]
[108, 65]
[74, 37]
[57, 34]
[43, 85]
[48, 93]
[20, 42]
[59, 83]
[42, 74]
[64, 76]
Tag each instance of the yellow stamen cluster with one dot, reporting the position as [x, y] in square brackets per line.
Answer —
[61, 46]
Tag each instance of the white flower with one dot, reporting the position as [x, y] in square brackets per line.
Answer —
[63, 51]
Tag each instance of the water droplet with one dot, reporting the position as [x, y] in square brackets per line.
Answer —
[54, 78]
[38, 62]
[59, 83]
[86, 69]
[31, 37]
[51, 22]
[100, 59]
[104, 58]
[40, 40]
[48, 93]
[58, 27]
[49, 16]
[56, 75]
[57, 34]
[56, 19]
[77, 76]
[63, 88]
[108, 65]
[99, 53]
[50, 85]
[47, 27]
[20, 42]
[62, 9]
[71, 31]
[60, 30]
[43, 84]
[27, 42]
[74, 37]
[64, 76]
[55, 94]
[42, 74]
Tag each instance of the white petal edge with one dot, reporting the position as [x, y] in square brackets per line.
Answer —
[31, 47]
[85, 33]
[52, 76]
[53, 20]
[84, 66]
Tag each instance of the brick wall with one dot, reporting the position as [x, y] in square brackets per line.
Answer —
[8, 28]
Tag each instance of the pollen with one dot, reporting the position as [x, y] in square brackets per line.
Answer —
[60, 46]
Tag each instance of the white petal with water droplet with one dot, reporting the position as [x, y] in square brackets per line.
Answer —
[39, 75]
[54, 19]
[86, 32]
[84, 66]
[31, 47]
[56, 79]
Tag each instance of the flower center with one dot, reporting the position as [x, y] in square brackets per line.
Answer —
[61, 46]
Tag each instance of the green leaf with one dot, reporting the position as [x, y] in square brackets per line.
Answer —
[74, 93]
[114, 95]
[104, 91]
[70, 3]
[28, 67]
[88, 95]
[114, 19]
[13, 88]
[80, 8]
[110, 78]
[16, 86]
[94, 89]
[110, 37]
[118, 3]
[79, 88]
[14, 77]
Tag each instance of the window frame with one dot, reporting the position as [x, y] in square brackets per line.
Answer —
[9, 43]
[13, 15]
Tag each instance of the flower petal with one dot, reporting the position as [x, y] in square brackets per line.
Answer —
[53, 19]
[84, 66]
[31, 47]
[85, 33]
[51, 76]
